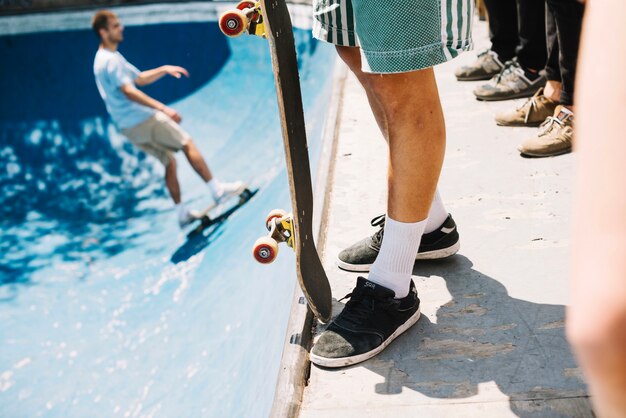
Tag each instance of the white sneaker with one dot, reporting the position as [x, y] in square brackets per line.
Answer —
[187, 216]
[229, 190]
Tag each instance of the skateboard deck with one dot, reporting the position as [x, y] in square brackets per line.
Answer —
[270, 19]
[206, 220]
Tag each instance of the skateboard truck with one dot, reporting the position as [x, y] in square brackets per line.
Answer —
[246, 17]
[279, 223]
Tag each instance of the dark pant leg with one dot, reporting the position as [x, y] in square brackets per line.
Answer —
[532, 52]
[552, 70]
[503, 27]
[568, 16]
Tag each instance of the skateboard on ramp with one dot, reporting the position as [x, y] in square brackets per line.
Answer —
[218, 212]
[270, 19]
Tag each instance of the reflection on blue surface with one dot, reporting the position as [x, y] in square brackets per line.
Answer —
[105, 308]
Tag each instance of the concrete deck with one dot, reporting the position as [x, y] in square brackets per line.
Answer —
[491, 339]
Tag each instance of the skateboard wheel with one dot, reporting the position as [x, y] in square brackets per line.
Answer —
[233, 23]
[276, 213]
[246, 4]
[265, 250]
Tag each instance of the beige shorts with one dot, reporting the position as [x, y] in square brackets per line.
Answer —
[159, 136]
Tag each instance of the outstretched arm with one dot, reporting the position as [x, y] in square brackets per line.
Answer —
[150, 76]
[140, 97]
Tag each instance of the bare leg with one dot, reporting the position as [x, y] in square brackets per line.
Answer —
[352, 57]
[171, 180]
[197, 161]
[553, 92]
[414, 127]
[596, 317]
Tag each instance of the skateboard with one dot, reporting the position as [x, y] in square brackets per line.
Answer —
[206, 220]
[270, 19]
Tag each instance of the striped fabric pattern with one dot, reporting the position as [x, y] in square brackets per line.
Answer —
[397, 35]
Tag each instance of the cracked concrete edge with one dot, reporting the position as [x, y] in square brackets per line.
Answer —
[295, 365]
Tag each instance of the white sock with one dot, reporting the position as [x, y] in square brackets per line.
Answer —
[437, 214]
[181, 209]
[394, 263]
[215, 187]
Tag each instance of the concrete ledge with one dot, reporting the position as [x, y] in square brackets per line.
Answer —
[294, 367]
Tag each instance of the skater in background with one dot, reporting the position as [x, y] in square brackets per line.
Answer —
[146, 122]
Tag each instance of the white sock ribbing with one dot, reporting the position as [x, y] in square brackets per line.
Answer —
[437, 214]
[215, 187]
[394, 263]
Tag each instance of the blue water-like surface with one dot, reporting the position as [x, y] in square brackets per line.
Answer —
[105, 309]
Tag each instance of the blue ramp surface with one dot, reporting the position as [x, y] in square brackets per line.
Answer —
[106, 309]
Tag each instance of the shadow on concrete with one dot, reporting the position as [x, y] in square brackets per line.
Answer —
[484, 336]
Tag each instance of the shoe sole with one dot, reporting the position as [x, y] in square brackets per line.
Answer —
[502, 98]
[476, 78]
[527, 154]
[428, 255]
[347, 361]
[519, 124]
[230, 195]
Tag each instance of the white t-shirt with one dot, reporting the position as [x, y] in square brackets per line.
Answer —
[112, 71]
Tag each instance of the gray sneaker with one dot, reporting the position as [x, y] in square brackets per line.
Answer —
[440, 243]
[511, 83]
[486, 66]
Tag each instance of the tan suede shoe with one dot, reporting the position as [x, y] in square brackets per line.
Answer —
[554, 136]
[532, 113]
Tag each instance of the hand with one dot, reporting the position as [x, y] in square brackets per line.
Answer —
[175, 71]
[172, 114]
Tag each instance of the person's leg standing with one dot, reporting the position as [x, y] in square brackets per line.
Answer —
[556, 134]
[521, 77]
[568, 16]
[440, 238]
[552, 70]
[503, 28]
[504, 39]
[531, 53]
[398, 51]
[543, 103]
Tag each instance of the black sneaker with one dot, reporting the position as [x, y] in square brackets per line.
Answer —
[441, 243]
[369, 322]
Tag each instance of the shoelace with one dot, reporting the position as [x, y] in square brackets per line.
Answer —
[532, 103]
[509, 67]
[360, 305]
[379, 221]
[548, 124]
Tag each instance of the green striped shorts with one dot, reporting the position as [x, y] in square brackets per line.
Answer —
[396, 36]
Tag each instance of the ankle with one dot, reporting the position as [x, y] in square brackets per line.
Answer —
[552, 91]
[215, 187]
[531, 73]
[394, 264]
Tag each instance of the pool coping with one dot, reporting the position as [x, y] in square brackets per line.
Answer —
[295, 365]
